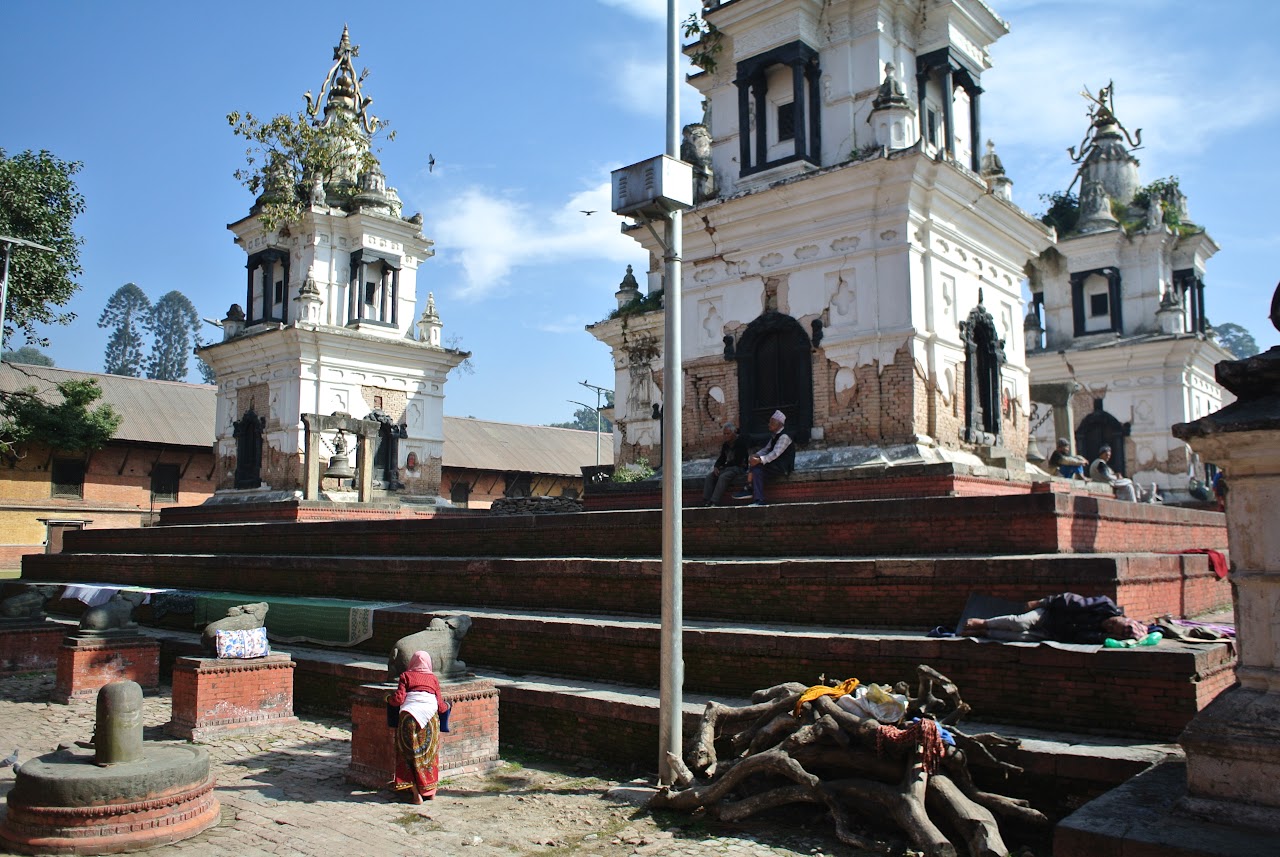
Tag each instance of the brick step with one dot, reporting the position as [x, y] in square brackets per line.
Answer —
[1029, 523]
[903, 592]
[1146, 692]
[618, 723]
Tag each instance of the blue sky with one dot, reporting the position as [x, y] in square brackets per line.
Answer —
[527, 107]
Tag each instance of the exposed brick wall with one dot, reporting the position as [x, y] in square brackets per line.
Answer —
[394, 402]
[31, 648]
[214, 697]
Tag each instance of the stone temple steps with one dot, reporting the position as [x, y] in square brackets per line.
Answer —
[772, 594]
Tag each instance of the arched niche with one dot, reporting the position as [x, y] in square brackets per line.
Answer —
[775, 372]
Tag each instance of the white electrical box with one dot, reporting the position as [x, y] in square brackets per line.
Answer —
[653, 188]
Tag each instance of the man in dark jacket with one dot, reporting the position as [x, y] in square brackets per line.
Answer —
[729, 467]
[1064, 618]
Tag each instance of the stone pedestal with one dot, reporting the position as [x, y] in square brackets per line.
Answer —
[214, 697]
[29, 645]
[470, 746]
[86, 663]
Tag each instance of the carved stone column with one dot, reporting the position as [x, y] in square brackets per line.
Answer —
[1233, 745]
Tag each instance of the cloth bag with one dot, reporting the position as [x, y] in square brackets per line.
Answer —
[250, 643]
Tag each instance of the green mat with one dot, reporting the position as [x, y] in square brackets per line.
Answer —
[327, 621]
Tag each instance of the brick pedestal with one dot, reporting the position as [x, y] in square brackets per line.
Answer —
[213, 697]
[471, 746]
[29, 646]
[87, 663]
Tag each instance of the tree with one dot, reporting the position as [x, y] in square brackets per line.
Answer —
[39, 202]
[59, 418]
[175, 324]
[28, 355]
[128, 310]
[585, 418]
[1236, 339]
[1063, 212]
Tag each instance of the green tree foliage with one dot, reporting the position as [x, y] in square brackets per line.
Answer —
[29, 355]
[585, 418]
[287, 153]
[1236, 339]
[1170, 196]
[39, 202]
[176, 325]
[60, 418]
[129, 312]
[1063, 211]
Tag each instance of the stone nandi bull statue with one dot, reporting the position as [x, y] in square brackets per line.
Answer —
[441, 639]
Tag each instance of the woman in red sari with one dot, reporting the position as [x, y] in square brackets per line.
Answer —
[418, 732]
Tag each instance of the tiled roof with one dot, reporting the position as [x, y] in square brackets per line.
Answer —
[166, 412]
[482, 445]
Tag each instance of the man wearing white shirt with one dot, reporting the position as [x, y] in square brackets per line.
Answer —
[771, 459]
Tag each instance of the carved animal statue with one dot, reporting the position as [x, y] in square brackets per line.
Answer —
[28, 604]
[244, 617]
[695, 149]
[115, 614]
[441, 639]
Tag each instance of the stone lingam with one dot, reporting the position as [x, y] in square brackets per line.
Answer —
[121, 795]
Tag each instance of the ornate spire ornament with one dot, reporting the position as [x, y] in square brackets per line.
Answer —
[340, 91]
[1103, 119]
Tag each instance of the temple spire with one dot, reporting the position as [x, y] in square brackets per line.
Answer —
[1103, 155]
[340, 92]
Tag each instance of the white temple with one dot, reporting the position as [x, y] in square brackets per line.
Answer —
[848, 260]
[328, 322]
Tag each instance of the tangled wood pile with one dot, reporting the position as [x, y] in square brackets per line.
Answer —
[801, 745]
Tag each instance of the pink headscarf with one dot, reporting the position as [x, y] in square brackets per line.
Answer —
[420, 662]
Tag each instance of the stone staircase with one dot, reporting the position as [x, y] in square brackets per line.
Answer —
[562, 604]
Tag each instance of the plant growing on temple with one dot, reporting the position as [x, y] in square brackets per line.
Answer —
[708, 44]
[127, 311]
[1063, 211]
[59, 417]
[39, 202]
[1169, 195]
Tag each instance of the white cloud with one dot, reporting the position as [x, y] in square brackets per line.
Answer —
[490, 235]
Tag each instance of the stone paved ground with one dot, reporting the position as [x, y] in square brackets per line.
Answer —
[286, 794]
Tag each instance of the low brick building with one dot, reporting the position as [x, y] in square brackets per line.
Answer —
[160, 456]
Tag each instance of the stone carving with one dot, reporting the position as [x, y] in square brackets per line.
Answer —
[1154, 219]
[115, 615]
[28, 604]
[317, 192]
[441, 639]
[696, 150]
[244, 617]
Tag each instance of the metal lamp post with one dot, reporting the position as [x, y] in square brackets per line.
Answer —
[7, 243]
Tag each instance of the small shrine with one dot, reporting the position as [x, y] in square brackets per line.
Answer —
[324, 341]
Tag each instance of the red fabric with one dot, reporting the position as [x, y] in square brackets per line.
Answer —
[413, 681]
[1217, 561]
[923, 732]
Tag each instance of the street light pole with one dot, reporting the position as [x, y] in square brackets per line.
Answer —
[7, 243]
[597, 410]
[600, 391]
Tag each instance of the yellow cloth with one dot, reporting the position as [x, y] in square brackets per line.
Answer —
[844, 687]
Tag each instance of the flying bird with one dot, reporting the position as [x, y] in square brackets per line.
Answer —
[587, 213]
[431, 162]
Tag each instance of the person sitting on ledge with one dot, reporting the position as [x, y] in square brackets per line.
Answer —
[1063, 618]
[772, 459]
[1069, 466]
[728, 468]
[1101, 471]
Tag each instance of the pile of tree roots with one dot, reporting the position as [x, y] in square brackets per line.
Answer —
[801, 745]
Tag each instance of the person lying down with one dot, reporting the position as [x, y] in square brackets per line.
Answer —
[1063, 618]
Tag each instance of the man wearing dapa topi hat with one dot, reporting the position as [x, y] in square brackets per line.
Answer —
[770, 459]
[1068, 465]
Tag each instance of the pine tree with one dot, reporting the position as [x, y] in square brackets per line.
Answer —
[128, 311]
[176, 326]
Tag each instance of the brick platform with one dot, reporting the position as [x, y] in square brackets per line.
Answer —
[215, 697]
[85, 664]
[29, 646]
[470, 746]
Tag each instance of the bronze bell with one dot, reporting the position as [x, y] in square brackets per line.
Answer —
[339, 462]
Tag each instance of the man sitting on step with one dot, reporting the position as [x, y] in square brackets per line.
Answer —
[775, 458]
[1063, 618]
[1125, 489]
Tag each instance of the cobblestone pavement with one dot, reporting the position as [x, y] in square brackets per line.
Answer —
[286, 794]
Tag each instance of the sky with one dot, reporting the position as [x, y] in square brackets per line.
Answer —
[526, 108]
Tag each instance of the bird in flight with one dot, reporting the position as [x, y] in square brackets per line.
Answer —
[588, 213]
[431, 163]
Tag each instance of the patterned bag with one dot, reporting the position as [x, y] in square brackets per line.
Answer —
[242, 644]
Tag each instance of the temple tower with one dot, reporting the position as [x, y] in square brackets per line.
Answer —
[1118, 312]
[848, 260]
[327, 325]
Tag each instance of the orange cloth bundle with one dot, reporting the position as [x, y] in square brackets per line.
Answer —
[846, 686]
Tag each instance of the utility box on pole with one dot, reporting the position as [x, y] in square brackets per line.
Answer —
[653, 189]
